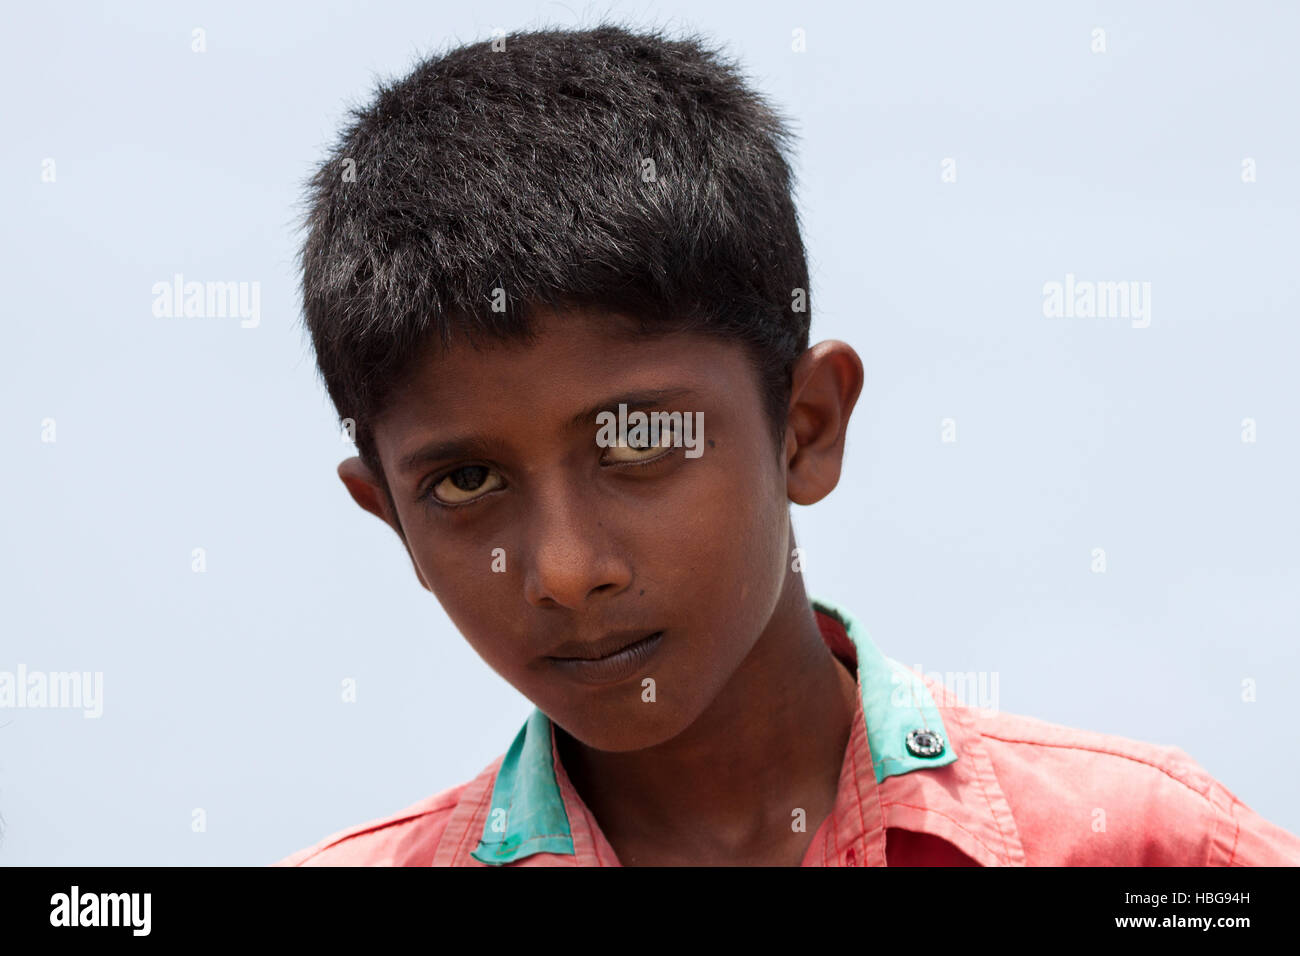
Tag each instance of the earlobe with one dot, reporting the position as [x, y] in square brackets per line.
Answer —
[826, 384]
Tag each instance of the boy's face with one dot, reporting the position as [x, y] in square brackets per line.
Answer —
[533, 536]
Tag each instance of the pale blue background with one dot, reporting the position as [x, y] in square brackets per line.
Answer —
[222, 689]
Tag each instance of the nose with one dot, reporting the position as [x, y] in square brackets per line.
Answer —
[570, 554]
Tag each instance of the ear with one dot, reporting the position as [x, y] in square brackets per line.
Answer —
[368, 491]
[825, 386]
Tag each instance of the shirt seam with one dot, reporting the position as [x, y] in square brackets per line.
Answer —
[1236, 836]
[1112, 753]
[880, 816]
[466, 831]
[980, 763]
[955, 822]
[384, 825]
[593, 828]
[531, 839]
[979, 780]
[862, 822]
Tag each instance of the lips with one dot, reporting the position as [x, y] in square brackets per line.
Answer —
[625, 662]
[608, 645]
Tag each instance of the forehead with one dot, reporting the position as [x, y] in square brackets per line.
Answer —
[577, 358]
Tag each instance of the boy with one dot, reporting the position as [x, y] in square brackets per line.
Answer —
[527, 241]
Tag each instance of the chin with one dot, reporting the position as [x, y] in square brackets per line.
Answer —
[642, 726]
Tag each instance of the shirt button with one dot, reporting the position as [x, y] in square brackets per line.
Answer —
[924, 743]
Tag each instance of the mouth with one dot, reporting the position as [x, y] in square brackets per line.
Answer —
[616, 658]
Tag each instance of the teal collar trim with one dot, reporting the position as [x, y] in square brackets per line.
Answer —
[527, 814]
[895, 702]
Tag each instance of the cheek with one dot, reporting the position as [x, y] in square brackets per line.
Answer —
[473, 597]
[728, 556]
[764, 544]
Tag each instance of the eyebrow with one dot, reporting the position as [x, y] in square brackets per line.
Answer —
[634, 401]
[474, 446]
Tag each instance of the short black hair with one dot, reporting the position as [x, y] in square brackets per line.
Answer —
[627, 172]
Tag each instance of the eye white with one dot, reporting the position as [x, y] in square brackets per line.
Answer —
[446, 491]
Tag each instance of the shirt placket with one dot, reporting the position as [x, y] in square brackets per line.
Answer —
[854, 833]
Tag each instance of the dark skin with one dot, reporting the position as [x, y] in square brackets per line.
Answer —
[751, 712]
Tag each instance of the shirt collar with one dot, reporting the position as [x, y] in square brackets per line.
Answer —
[527, 814]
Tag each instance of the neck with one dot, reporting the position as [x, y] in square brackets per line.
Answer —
[773, 740]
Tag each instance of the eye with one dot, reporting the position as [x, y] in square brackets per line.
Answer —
[646, 450]
[465, 484]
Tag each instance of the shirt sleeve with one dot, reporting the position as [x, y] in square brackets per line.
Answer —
[1244, 838]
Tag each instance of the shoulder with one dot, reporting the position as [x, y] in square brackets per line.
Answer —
[406, 838]
[1081, 797]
